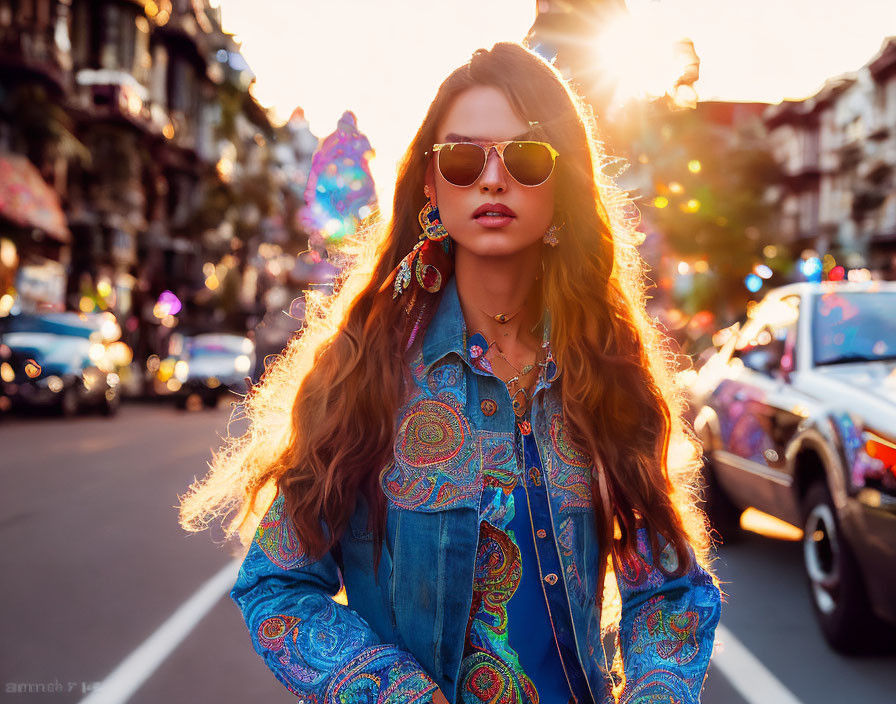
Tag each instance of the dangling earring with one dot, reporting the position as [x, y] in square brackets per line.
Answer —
[430, 221]
[430, 261]
[550, 237]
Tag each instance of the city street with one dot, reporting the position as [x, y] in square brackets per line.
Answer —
[96, 564]
[189, 189]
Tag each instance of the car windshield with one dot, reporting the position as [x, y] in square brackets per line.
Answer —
[48, 348]
[854, 326]
[56, 323]
[217, 344]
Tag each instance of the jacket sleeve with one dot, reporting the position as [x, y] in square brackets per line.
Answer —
[667, 626]
[320, 650]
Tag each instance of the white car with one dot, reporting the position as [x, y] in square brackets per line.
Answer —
[797, 415]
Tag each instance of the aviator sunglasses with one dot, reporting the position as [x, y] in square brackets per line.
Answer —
[462, 163]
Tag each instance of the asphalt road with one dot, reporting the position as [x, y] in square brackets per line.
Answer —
[95, 563]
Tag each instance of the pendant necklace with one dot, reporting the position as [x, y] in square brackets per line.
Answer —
[519, 404]
[503, 317]
[519, 397]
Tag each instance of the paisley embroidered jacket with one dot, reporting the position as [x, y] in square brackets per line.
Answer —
[403, 631]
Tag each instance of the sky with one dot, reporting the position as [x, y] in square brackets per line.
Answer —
[384, 59]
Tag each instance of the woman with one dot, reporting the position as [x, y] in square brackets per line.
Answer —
[488, 401]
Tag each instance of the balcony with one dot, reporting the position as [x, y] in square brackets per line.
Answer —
[867, 198]
[878, 130]
[112, 93]
[851, 155]
[875, 169]
[33, 51]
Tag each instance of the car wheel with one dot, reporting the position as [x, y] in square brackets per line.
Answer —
[69, 403]
[724, 515]
[210, 399]
[837, 592]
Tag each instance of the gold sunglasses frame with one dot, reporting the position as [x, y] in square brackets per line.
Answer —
[499, 148]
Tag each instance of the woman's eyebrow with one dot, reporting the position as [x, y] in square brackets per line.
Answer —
[452, 137]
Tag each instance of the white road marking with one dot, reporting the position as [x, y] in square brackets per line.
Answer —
[130, 675]
[752, 680]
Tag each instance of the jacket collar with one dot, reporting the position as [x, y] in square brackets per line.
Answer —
[447, 332]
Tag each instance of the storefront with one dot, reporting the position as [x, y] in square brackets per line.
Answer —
[34, 240]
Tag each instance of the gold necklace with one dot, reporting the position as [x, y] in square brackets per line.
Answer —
[503, 317]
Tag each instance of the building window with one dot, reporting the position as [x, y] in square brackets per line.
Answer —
[119, 38]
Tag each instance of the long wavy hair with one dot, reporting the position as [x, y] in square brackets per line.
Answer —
[321, 421]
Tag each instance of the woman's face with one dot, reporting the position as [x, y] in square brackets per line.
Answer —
[484, 113]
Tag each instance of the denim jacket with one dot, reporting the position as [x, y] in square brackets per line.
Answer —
[403, 635]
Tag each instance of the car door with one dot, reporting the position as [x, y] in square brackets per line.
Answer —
[789, 406]
[758, 410]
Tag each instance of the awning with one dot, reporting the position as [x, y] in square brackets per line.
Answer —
[27, 200]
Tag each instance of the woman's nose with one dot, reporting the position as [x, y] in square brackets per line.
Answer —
[494, 177]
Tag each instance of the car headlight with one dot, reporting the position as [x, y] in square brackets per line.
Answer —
[53, 383]
[242, 363]
[91, 376]
[181, 370]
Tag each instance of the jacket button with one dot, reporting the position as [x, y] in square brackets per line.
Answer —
[541, 533]
[550, 578]
[534, 476]
[488, 406]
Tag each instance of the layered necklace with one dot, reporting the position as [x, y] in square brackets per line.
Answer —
[520, 397]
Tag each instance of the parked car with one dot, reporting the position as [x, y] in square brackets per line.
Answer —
[205, 366]
[63, 361]
[796, 411]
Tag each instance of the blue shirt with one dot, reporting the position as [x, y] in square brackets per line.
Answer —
[529, 619]
[516, 649]
[512, 652]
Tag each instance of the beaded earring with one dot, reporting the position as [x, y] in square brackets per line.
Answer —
[550, 237]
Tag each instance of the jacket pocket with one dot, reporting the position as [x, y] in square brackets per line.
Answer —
[432, 584]
[437, 458]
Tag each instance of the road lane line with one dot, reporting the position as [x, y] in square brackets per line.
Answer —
[752, 680]
[130, 675]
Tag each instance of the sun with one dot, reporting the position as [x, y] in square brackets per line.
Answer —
[642, 52]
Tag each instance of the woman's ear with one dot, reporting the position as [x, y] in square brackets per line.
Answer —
[429, 182]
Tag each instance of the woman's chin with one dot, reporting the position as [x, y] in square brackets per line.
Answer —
[493, 244]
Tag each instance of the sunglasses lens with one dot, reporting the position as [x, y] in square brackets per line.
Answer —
[461, 164]
[528, 163]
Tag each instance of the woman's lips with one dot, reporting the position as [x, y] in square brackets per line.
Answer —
[494, 220]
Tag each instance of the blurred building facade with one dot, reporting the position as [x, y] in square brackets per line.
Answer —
[35, 71]
[157, 166]
[838, 151]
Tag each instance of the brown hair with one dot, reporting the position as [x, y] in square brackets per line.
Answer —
[322, 417]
